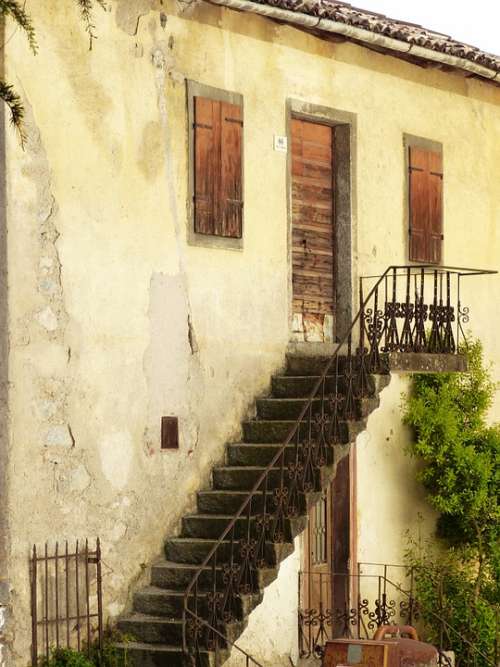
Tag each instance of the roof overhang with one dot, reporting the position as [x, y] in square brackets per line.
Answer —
[404, 49]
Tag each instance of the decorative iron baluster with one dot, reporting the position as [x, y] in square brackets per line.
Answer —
[362, 362]
[248, 556]
[420, 318]
[375, 324]
[230, 573]
[449, 317]
[407, 312]
[280, 502]
[336, 406]
[349, 403]
[263, 526]
[391, 313]
[296, 475]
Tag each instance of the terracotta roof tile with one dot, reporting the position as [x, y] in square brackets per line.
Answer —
[378, 23]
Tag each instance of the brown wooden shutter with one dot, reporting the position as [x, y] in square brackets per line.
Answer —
[231, 203]
[218, 168]
[426, 208]
[206, 140]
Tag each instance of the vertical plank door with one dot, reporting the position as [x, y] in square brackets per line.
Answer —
[312, 231]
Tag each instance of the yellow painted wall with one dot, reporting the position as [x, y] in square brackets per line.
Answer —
[115, 320]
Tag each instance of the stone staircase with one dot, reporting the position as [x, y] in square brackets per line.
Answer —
[155, 622]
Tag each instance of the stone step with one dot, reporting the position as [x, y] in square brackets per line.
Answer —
[161, 602]
[139, 654]
[301, 386]
[291, 408]
[245, 477]
[218, 501]
[259, 454]
[297, 364]
[193, 550]
[298, 386]
[152, 629]
[276, 431]
[211, 526]
[178, 576]
[160, 630]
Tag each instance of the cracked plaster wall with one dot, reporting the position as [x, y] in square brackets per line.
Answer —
[114, 320]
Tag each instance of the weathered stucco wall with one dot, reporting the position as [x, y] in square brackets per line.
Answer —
[391, 503]
[115, 320]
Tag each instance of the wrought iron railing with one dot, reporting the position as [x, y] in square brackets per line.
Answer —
[406, 309]
[371, 598]
[338, 604]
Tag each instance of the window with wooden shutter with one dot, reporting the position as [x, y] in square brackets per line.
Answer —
[218, 192]
[426, 205]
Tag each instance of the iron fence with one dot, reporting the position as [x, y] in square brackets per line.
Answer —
[66, 598]
[372, 598]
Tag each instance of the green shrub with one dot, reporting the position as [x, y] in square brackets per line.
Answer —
[109, 656]
[460, 456]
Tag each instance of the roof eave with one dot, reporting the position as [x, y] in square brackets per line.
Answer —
[395, 46]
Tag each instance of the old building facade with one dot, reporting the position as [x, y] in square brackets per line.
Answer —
[198, 197]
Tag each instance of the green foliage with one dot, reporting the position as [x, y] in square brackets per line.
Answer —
[15, 105]
[86, 10]
[109, 656]
[460, 456]
[452, 613]
[15, 10]
[460, 453]
[67, 657]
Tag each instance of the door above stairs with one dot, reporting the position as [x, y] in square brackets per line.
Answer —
[313, 265]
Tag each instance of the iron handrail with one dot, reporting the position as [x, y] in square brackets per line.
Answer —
[307, 407]
[248, 658]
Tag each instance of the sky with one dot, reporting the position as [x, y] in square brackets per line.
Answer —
[476, 22]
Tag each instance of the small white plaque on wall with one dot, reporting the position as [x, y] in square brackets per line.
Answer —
[280, 143]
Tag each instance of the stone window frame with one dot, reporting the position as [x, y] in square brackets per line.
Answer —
[196, 89]
[345, 207]
[409, 141]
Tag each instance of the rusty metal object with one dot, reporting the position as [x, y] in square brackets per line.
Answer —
[76, 579]
[396, 651]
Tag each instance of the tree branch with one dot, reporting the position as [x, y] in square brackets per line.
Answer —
[13, 101]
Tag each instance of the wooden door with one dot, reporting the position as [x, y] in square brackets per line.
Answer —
[312, 231]
[325, 584]
[316, 579]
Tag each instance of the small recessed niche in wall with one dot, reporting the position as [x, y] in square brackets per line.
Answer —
[169, 433]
